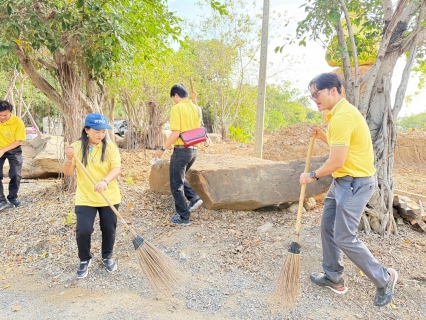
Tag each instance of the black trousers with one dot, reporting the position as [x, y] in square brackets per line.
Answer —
[85, 220]
[16, 160]
[181, 160]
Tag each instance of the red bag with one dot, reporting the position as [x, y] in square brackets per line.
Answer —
[194, 136]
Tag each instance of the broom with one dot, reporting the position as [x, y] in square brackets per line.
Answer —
[288, 281]
[161, 272]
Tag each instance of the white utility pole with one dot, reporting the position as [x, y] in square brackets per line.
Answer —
[261, 95]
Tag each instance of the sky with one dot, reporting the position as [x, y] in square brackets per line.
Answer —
[312, 57]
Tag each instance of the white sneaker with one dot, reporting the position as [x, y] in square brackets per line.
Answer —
[196, 205]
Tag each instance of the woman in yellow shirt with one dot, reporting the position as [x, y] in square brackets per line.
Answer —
[102, 160]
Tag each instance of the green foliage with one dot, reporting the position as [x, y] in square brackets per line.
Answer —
[322, 18]
[100, 34]
[284, 107]
[420, 67]
[129, 179]
[70, 219]
[238, 134]
[220, 8]
[417, 121]
[37, 102]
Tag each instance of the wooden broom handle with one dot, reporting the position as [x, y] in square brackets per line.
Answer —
[302, 191]
[82, 167]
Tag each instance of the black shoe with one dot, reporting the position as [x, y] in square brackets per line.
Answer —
[321, 279]
[178, 220]
[16, 202]
[83, 269]
[195, 205]
[109, 264]
[384, 295]
[5, 205]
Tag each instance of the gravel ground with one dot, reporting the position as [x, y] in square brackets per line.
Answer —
[232, 258]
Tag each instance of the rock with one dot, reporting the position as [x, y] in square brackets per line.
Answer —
[309, 203]
[375, 224]
[41, 157]
[183, 256]
[119, 141]
[214, 137]
[294, 208]
[242, 183]
[265, 227]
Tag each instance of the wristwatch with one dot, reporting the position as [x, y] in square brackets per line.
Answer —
[162, 149]
[313, 174]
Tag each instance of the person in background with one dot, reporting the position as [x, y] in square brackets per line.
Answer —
[351, 163]
[12, 133]
[183, 117]
[102, 160]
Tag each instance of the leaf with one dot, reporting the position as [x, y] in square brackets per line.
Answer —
[18, 42]
[9, 9]
[16, 308]
[7, 286]
[43, 255]
[334, 17]
[393, 306]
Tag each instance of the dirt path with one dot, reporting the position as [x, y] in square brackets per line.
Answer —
[232, 257]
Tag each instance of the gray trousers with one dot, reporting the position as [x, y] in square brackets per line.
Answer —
[343, 207]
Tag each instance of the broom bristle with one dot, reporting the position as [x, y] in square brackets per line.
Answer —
[287, 290]
[162, 273]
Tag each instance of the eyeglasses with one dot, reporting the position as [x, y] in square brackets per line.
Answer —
[316, 94]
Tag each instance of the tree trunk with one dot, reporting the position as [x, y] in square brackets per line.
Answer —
[72, 106]
[224, 130]
[71, 103]
[154, 131]
[383, 133]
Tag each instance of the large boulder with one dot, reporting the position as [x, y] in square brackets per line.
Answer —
[242, 183]
[41, 157]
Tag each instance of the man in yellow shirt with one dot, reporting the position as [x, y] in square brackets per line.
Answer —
[351, 163]
[12, 133]
[183, 117]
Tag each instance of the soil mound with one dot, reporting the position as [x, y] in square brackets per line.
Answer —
[410, 148]
[291, 143]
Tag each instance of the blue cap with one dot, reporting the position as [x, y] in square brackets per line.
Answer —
[97, 121]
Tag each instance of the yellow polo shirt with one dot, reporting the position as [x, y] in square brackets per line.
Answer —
[183, 117]
[85, 194]
[11, 131]
[347, 127]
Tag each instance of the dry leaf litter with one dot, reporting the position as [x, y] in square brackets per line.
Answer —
[231, 257]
